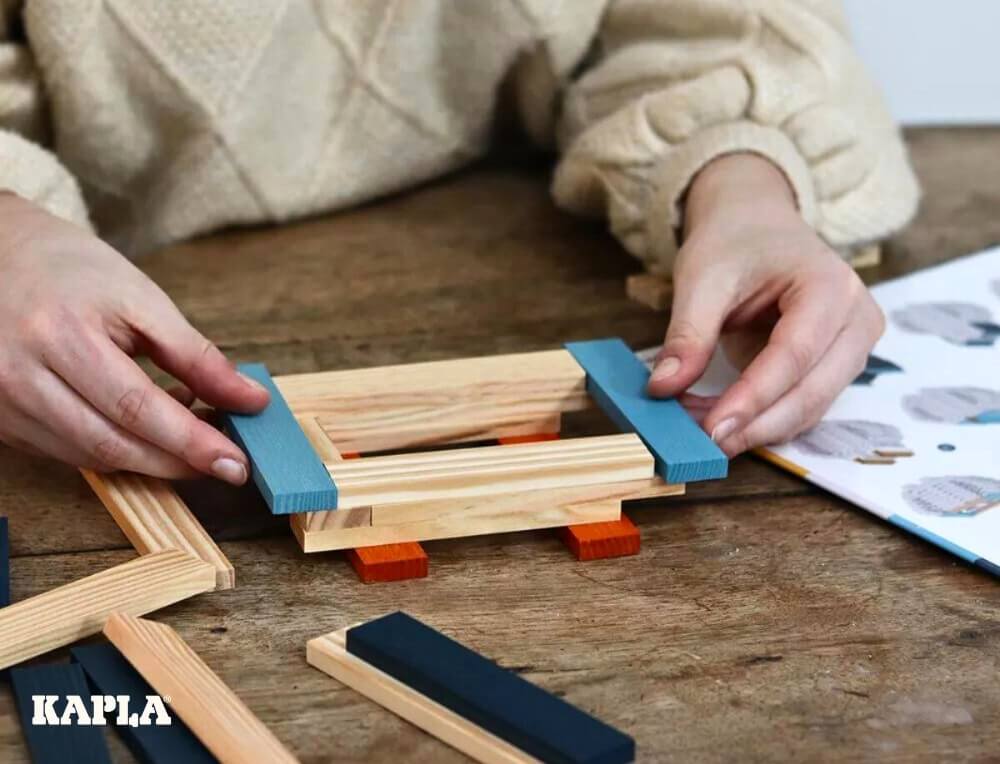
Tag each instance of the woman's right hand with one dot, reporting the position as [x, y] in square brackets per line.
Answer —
[73, 313]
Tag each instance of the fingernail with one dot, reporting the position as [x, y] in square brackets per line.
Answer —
[724, 429]
[666, 369]
[252, 382]
[229, 470]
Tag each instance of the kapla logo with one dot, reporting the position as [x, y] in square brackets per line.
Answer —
[96, 710]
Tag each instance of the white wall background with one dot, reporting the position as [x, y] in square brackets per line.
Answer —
[938, 62]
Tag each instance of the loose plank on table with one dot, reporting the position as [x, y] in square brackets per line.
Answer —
[57, 744]
[476, 688]
[110, 674]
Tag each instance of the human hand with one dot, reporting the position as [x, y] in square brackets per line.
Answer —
[74, 312]
[749, 261]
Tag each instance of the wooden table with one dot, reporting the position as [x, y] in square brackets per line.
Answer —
[764, 619]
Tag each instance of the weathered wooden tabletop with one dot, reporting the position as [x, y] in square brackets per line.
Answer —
[764, 619]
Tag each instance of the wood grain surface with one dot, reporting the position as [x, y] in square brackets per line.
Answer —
[762, 620]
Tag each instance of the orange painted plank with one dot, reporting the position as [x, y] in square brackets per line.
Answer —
[536, 438]
[350, 455]
[389, 562]
[595, 541]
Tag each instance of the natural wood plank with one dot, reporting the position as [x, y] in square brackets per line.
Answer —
[284, 466]
[649, 289]
[63, 615]
[490, 470]
[617, 380]
[154, 518]
[110, 674]
[329, 654]
[209, 708]
[455, 518]
[421, 404]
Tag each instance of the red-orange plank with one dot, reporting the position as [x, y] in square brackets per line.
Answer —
[595, 541]
[389, 562]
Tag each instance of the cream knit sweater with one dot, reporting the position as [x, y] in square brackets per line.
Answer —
[155, 120]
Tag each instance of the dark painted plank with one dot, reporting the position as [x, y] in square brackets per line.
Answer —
[111, 674]
[491, 697]
[50, 744]
[616, 380]
[4, 563]
[285, 467]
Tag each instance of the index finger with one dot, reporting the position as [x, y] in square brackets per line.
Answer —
[807, 328]
[115, 385]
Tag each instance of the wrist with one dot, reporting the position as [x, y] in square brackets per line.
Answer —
[735, 187]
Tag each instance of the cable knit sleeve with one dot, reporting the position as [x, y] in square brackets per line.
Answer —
[672, 85]
[26, 167]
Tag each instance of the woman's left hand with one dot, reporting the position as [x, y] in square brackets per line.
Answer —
[749, 261]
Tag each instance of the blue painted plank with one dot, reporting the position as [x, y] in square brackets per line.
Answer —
[616, 380]
[111, 674]
[491, 697]
[285, 468]
[57, 744]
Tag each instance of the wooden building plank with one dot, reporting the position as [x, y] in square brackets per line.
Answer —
[154, 518]
[329, 654]
[223, 722]
[526, 716]
[457, 518]
[110, 674]
[389, 562]
[490, 470]
[285, 468]
[598, 541]
[58, 743]
[453, 401]
[4, 563]
[616, 379]
[67, 613]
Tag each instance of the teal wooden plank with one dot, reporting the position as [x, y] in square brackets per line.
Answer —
[284, 465]
[616, 380]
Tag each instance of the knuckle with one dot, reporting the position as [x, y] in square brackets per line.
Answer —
[108, 452]
[800, 355]
[129, 408]
[683, 335]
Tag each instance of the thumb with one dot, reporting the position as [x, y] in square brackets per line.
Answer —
[179, 349]
[700, 308]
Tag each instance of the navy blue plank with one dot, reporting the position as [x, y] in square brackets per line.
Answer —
[286, 469]
[111, 674]
[51, 744]
[616, 380]
[493, 698]
[4, 564]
